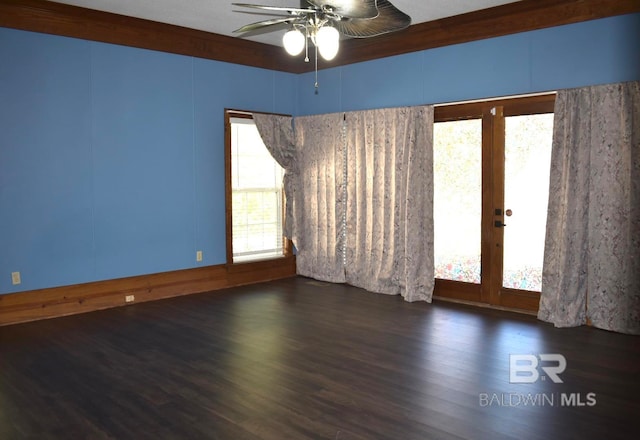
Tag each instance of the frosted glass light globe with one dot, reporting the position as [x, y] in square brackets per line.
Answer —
[293, 42]
[328, 41]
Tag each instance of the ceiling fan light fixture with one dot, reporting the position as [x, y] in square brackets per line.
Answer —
[293, 42]
[328, 42]
[322, 22]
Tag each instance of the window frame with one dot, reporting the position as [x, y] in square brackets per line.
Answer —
[287, 244]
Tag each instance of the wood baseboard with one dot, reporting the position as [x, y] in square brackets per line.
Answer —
[80, 298]
[484, 305]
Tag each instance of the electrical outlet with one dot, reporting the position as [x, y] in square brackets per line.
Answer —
[199, 256]
[15, 278]
[129, 298]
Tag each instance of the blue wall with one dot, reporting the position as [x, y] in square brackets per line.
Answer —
[112, 158]
[588, 53]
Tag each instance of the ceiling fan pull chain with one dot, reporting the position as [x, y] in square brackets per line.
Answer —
[306, 45]
[316, 85]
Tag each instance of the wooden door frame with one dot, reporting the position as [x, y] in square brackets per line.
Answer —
[492, 113]
[492, 201]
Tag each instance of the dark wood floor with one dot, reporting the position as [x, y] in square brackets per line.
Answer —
[299, 359]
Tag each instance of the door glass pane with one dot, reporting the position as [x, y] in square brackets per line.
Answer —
[526, 193]
[457, 207]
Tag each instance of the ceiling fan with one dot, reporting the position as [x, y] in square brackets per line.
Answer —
[322, 22]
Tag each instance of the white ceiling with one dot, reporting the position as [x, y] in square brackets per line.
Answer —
[221, 17]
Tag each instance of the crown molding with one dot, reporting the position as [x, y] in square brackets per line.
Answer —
[526, 15]
[512, 18]
[88, 24]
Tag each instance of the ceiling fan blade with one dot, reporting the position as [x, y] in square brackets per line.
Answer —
[293, 11]
[263, 24]
[390, 19]
[362, 9]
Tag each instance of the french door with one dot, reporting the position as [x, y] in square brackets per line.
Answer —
[491, 178]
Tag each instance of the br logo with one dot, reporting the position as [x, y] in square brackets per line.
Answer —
[525, 368]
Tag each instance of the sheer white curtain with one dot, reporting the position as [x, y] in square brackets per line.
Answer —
[592, 248]
[366, 199]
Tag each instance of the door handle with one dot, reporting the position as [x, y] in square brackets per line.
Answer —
[499, 224]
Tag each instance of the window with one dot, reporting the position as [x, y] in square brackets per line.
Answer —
[254, 193]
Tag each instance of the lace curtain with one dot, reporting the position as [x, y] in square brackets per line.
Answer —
[592, 249]
[320, 205]
[389, 246]
[276, 132]
[366, 199]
